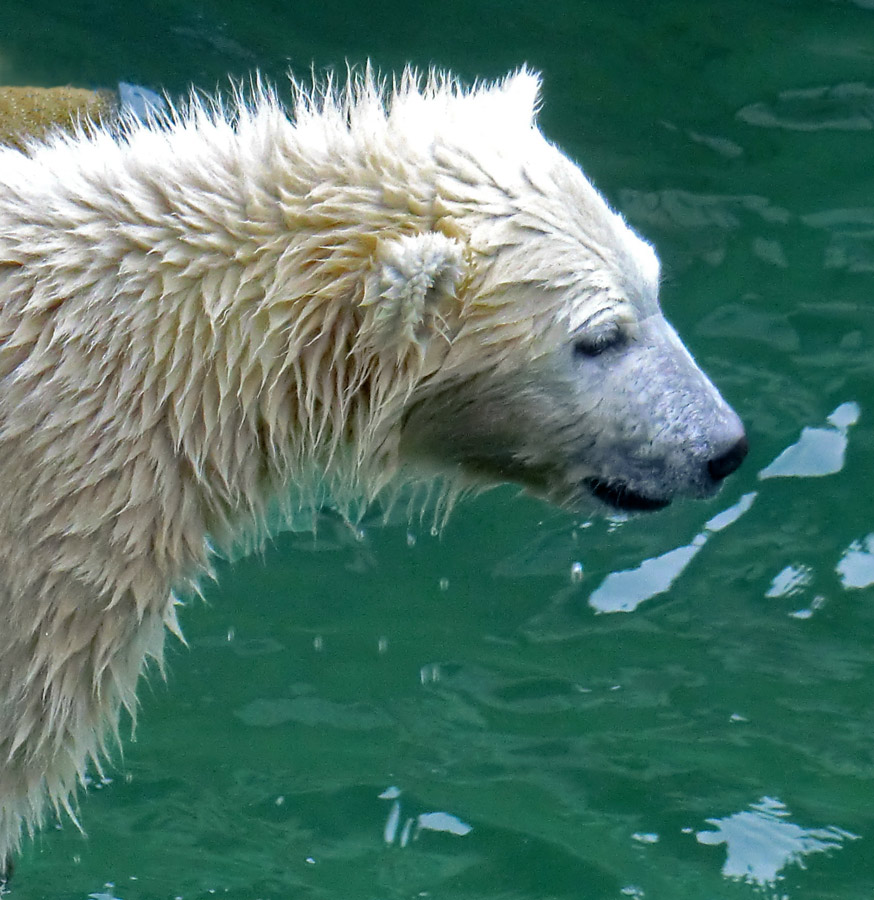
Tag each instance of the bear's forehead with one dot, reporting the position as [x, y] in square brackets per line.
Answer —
[620, 286]
[535, 212]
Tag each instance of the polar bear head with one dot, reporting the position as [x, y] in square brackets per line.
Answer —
[551, 364]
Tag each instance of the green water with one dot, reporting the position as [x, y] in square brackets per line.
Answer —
[699, 727]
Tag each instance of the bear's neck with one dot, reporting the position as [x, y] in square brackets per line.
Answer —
[206, 304]
[254, 360]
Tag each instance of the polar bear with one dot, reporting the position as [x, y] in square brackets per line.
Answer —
[207, 315]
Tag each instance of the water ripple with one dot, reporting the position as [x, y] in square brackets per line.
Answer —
[841, 107]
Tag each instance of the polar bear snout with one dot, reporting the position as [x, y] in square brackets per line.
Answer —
[647, 477]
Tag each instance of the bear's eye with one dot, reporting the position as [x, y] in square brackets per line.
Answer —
[598, 340]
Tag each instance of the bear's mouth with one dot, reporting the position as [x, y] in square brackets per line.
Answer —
[620, 496]
[541, 481]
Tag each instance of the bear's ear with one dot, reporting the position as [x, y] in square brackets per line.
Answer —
[410, 288]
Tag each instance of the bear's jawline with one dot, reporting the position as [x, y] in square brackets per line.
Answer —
[620, 496]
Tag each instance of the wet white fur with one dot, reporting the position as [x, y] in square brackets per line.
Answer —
[195, 318]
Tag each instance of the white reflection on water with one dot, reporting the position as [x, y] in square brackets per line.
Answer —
[624, 591]
[108, 894]
[441, 821]
[761, 843]
[792, 581]
[819, 451]
[856, 566]
[789, 581]
[429, 821]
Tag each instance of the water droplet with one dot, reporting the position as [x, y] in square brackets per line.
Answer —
[391, 823]
[429, 674]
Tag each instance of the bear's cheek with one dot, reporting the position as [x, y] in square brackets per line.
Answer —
[525, 427]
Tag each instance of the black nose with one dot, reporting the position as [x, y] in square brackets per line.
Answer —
[722, 466]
